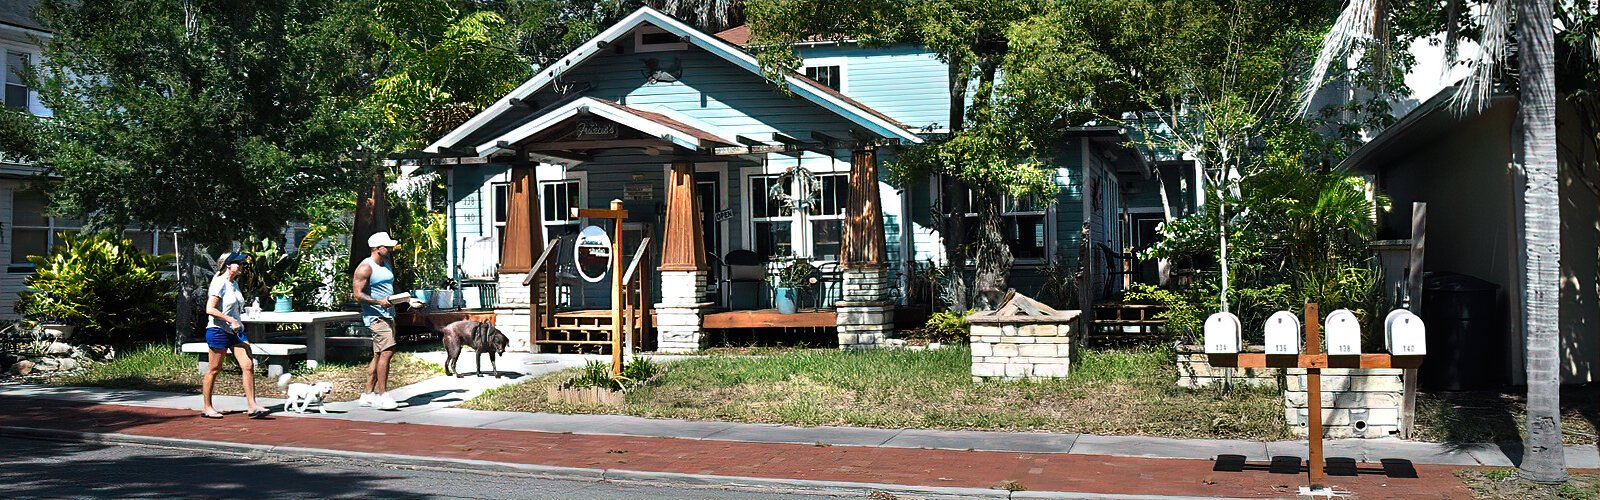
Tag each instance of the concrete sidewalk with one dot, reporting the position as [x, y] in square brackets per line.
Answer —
[431, 403]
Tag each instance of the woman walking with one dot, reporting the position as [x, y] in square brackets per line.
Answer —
[224, 332]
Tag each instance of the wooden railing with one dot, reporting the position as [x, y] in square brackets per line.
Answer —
[636, 299]
[542, 310]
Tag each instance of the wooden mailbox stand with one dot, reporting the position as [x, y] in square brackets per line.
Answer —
[1314, 360]
[617, 215]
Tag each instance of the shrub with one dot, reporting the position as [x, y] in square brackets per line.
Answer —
[947, 327]
[108, 288]
[598, 374]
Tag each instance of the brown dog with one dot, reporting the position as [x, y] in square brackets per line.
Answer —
[483, 338]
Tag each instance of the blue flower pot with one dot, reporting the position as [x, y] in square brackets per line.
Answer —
[785, 300]
[422, 295]
[282, 305]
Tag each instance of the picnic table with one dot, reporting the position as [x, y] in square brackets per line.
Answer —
[316, 323]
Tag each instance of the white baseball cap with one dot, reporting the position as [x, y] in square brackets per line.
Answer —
[381, 239]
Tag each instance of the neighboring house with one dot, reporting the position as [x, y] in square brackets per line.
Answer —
[1461, 166]
[652, 100]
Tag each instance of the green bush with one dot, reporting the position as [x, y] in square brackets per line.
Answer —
[112, 291]
[949, 327]
[598, 374]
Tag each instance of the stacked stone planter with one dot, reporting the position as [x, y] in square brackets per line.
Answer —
[1195, 371]
[1356, 403]
[1022, 339]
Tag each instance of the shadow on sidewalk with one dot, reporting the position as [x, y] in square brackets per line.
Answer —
[1332, 466]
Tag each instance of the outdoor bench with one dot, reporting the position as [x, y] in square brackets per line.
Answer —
[277, 356]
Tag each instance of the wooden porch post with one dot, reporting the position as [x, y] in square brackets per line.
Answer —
[683, 247]
[523, 241]
[863, 238]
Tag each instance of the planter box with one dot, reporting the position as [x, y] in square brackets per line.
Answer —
[1195, 371]
[590, 395]
[58, 331]
[1356, 403]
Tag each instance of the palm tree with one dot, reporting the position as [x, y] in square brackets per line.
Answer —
[707, 15]
[1544, 459]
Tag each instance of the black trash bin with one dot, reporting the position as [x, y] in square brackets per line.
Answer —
[1466, 333]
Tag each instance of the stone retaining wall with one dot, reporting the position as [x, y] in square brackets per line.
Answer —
[1356, 403]
[1021, 351]
[1195, 371]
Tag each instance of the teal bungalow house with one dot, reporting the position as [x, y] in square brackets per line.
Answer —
[723, 175]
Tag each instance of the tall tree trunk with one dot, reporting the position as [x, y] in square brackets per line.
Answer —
[183, 325]
[1543, 459]
[993, 255]
[954, 195]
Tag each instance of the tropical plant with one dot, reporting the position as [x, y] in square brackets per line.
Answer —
[948, 327]
[103, 284]
[419, 260]
[597, 373]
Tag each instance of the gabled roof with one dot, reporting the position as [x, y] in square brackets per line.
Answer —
[19, 13]
[737, 35]
[850, 109]
[1431, 119]
[649, 123]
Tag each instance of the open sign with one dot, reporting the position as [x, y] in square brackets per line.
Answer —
[592, 253]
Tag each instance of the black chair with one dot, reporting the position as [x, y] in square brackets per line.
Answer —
[744, 280]
[830, 281]
[1116, 265]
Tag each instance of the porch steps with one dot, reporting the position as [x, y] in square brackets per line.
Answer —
[1121, 323]
[581, 331]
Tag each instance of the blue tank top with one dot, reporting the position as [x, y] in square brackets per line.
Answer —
[379, 286]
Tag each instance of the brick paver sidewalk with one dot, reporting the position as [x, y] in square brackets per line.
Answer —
[914, 467]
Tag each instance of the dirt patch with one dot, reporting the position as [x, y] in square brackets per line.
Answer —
[1503, 483]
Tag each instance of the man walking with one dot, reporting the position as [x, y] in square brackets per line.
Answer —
[372, 286]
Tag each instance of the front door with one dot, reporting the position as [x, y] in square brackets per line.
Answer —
[708, 193]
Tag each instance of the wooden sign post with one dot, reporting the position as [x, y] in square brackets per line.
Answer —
[617, 215]
[1313, 360]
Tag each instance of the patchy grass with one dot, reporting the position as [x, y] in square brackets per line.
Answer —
[1503, 483]
[1493, 417]
[157, 368]
[1110, 392]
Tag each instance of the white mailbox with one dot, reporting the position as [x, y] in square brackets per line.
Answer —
[1344, 333]
[1283, 333]
[1404, 334]
[1223, 334]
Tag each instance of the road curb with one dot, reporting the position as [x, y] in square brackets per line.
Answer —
[557, 472]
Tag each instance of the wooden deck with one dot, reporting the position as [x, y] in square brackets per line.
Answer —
[770, 318]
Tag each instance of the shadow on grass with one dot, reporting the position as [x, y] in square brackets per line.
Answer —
[1498, 417]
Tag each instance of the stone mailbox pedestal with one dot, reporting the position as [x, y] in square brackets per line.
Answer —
[1022, 339]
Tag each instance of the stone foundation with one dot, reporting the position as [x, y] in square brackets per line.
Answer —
[1021, 351]
[679, 315]
[511, 311]
[865, 317]
[1195, 371]
[1356, 403]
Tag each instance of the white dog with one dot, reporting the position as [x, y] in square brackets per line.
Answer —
[305, 394]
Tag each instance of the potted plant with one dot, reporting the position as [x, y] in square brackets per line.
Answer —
[280, 295]
[794, 280]
[46, 321]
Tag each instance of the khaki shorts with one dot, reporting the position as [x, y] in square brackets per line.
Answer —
[382, 334]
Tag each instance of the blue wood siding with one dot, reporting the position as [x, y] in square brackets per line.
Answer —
[905, 82]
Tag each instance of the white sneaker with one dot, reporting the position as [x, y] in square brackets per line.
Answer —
[367, 398]
[384, 402]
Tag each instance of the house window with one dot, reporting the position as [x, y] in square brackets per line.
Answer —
[1024, 225]
[832, 76]
[17, 92]
[502, 208]
[557, 200]
[33, 232]
[653, 39]
[821, 226]
[156, 242]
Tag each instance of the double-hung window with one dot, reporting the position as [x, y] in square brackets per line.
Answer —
[557, 198]
[32, 231]
[17, 94]
[502, 211]
[1024, 225]
[815, 232]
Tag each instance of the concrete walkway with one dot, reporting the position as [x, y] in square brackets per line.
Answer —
[431, 403]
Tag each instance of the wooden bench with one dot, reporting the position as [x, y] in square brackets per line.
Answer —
[276, 356]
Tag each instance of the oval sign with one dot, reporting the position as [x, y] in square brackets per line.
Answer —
[592, 253]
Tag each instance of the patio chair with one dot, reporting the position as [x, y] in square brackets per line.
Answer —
[830, 284]
[1117, 264]
[744, 280]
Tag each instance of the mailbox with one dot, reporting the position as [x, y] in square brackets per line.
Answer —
[1283, 333]
[1404, 334]
[1344, 333]
[1223, 334]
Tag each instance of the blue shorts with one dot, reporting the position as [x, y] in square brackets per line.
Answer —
[217, 338]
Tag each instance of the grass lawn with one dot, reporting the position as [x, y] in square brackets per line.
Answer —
[1110, 392]
[1502, 483]
[1492, 417]
[157, 368]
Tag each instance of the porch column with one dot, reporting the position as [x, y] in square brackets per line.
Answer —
[683, 266]
[514, 310]
[865, 315]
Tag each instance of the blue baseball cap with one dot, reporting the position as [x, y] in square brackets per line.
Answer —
[239, 257]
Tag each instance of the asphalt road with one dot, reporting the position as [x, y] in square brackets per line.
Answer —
[32, 469]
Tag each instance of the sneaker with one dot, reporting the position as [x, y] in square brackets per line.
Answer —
[368, 398]
[384, 402]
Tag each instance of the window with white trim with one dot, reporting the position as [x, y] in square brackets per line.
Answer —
[1024, 225]
[502, 209]
[827, 71]
[17, 94]
[557, 199]
[32, 231]
[816, 233]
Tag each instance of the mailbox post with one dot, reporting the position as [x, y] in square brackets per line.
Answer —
[1313, 360]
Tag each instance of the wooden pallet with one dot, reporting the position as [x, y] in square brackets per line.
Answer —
[1123, 323]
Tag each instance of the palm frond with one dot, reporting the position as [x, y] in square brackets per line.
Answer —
[1493, 45]
[1355, 24]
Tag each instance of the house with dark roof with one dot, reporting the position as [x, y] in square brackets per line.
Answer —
[726, 176]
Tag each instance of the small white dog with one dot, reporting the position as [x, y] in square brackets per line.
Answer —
[305, 394]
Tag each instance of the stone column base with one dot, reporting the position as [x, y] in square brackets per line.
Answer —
[517, 325]
[678, 327]
[863, 325]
